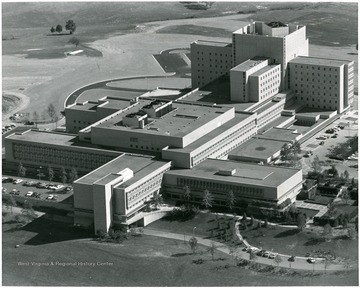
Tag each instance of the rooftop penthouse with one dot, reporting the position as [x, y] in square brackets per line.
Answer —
[157, 124]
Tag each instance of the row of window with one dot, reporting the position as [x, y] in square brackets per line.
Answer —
[59, 156]
[219, 188]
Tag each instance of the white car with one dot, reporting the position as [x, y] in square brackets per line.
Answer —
[29, 194]
[50, 197]
[17, 181]
[56, 187]
[311, 260]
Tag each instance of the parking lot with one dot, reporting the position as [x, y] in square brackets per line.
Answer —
[313, 144]
[45, 193]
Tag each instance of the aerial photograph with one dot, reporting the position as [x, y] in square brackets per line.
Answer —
[181, 144]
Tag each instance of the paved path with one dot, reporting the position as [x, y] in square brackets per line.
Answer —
[322, 209]
[300, 263]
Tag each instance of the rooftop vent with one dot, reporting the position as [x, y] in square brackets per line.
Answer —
[227, 172]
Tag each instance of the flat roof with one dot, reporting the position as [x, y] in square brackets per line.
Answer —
[213, 43]
[44, 137]
[55, 138]
[139, 164]
[281, 134]
[248, 64]
[246, 173]
[104, 103]
[319, 61]
[258, 148]
[85, 106]
[217, 92]
[214, 133]
[264, 70]
[183, 119]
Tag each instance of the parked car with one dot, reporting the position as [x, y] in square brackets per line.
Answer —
[56, 187]
[17, 181]
[29, 123]
[271, 256]
[29, 194]
[7, 180]
[41, 185]
[14, 192]
[334, 136]
[310, 260]
[291, 259]
[50, 197]
[3, 189]
[29, 183]
[322, 143]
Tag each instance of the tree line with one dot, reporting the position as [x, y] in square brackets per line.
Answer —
[69, 26]
[66, 177]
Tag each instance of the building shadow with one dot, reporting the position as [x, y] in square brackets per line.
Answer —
[50, 231]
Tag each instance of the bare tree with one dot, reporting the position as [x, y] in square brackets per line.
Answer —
[193, 244]
[35, 118]
[21, 170]
[208, 199]
[51, 111]
[51, 173]
[278, 259]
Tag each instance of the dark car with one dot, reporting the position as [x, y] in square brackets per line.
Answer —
[29, 123]
[322, 143]
[291, 259]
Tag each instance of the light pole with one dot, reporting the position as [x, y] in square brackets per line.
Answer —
[194, 232]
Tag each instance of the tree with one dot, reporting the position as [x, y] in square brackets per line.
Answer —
[266, 223]
[252, 256]
[316, 164]
[327, 232]
[251, 220]
[193, 244]
[157, 200]
[63, 175]
[230, 201]
[58, 28]
[73, 176]
[28, 211]
[51, 173]
[52, 29]
[345, 196]
[21, 170]
[334, 171]
[352, 233]
[211, 249]
[346, 175]
[278, 259]
[71, 26]
[187, 193]
[300, 221]
[285, 152]
[208, 199]
[327, 262]
[10, 204]
[296, 148]
[332, 210]
[35, 118]
[75, 41]
[51, 111]
[345, 222]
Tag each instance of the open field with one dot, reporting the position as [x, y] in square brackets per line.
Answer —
[141, 261]
[121, 43]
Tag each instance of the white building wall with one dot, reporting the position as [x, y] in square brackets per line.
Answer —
[209, 63]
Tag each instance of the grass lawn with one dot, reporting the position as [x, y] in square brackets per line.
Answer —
[141, 261]
[291, 242]
[282, 240]
[204, 223]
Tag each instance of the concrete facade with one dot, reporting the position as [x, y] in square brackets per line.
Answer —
[115, 192]
[248, 182]
[322, 83]
[209, 61]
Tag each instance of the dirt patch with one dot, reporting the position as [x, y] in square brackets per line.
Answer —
[9, 102]
[12, 102]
